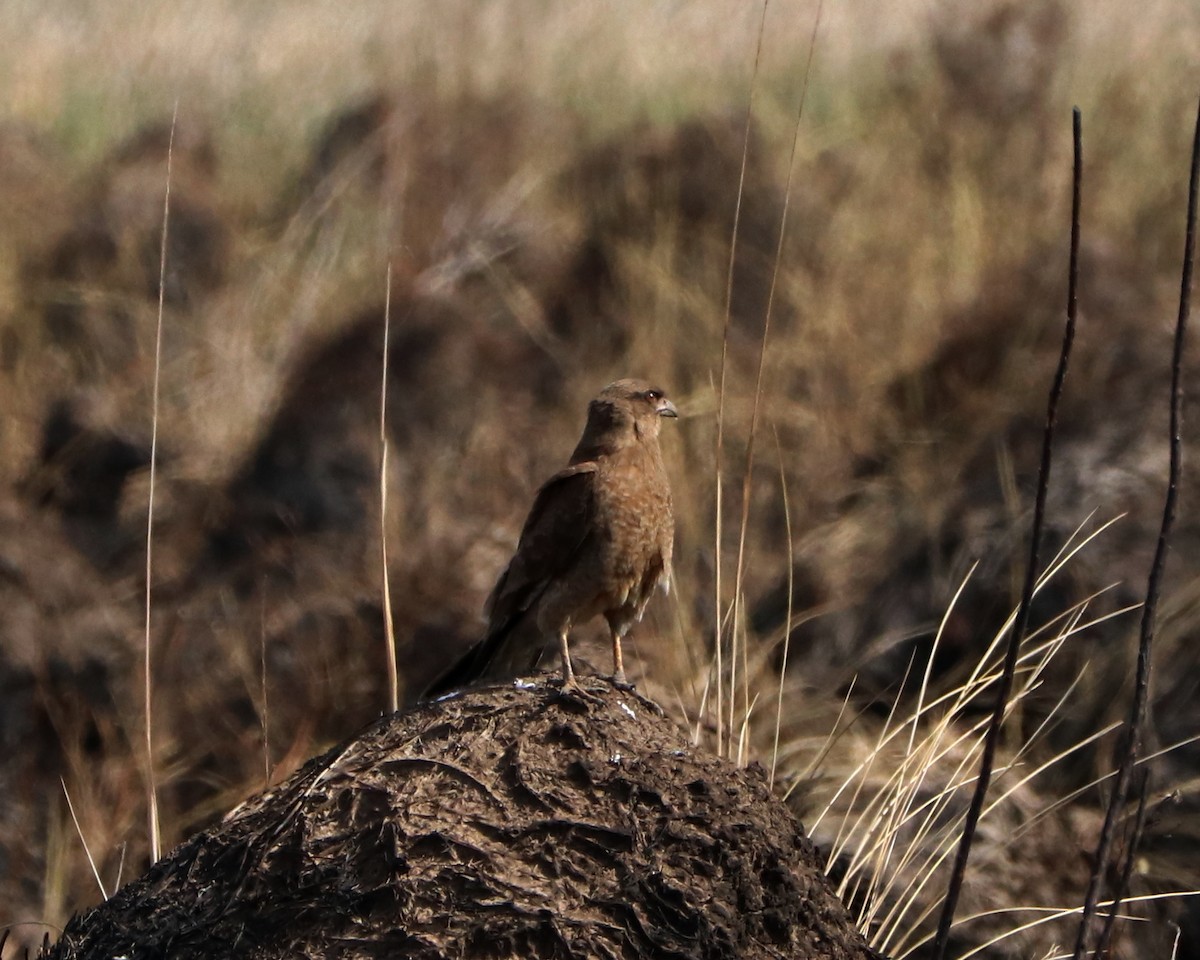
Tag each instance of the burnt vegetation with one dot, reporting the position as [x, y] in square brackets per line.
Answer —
[538, 251]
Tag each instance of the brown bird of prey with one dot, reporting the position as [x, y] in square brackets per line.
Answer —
[597, 541]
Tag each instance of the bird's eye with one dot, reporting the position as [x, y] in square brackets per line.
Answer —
[653, 395]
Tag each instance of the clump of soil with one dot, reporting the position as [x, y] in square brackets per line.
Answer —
[510, 821]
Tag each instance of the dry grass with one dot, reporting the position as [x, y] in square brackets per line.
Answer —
[554, 185]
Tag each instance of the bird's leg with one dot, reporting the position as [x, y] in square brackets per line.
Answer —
[568, 674]
[618, 662]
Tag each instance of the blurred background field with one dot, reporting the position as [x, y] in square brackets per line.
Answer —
[553, 186]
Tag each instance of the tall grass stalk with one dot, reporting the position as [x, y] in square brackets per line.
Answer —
[151, 791]
[389, 631]
[82, 839]
[787, 631]
[1051, 914]
[718, 522]
[748, 471]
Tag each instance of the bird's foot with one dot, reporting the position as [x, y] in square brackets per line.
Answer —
[619, 681]
[571, 691]
[569, 684]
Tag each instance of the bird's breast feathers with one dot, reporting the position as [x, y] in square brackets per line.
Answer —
[634, 512]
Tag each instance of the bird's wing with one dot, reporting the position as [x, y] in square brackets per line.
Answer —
[558, 525]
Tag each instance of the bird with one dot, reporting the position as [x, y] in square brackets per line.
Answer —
[598, 540]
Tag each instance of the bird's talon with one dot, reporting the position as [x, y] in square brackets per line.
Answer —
[571, 693]
[568, 683]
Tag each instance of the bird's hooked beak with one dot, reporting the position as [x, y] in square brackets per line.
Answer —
[666, 408]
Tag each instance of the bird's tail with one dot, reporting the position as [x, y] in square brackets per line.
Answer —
[510, 649]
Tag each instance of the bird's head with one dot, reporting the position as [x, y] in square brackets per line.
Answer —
[625, 411]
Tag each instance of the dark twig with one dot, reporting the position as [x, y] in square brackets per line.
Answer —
[1137, 713]
[1021, 624]
[1132, 843]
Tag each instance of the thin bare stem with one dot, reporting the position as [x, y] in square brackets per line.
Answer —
[120, 871]
[152, 793]
[262, 680]
[1061, 802]
[1131, 847]
[1048, 915]
[82, 839]
[720, 448]
[389, 631]
[1021, 625]
[1137, 713]
[748, 475]
[787, 630]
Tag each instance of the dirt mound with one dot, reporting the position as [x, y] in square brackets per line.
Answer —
[506, 822]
